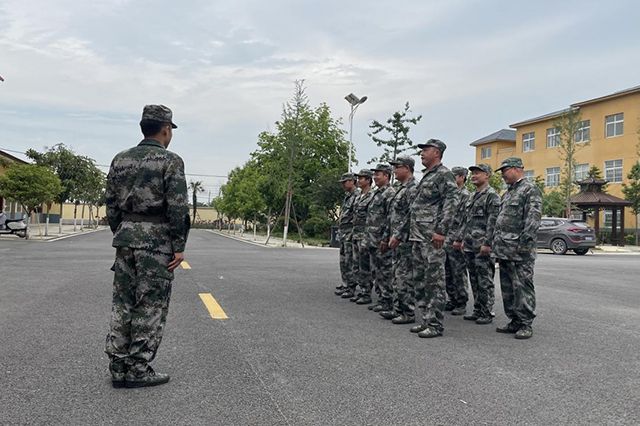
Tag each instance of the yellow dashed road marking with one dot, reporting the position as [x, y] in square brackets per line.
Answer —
[185, 265]
[215, 310]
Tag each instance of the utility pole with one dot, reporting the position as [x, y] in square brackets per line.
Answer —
[354, 101]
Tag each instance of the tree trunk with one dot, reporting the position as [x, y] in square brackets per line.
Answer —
[82, 218]
[75, 216]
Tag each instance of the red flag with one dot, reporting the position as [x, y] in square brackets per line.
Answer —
[1, 79]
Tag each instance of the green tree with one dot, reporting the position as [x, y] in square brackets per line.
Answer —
[308, 149]
[30, 185]
[69, 167]
[595, 173]
[553, 203]
[631, 191]
[567, 126]
[195, 188]
[397, 128]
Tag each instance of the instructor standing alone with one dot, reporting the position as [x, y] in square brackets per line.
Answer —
[147, 208]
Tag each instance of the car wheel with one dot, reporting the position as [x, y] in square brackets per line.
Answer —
[581, 251]
[558, 246]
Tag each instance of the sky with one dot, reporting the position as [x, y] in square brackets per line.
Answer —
[79, 72]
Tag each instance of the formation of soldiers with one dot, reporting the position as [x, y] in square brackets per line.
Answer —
[416, 245]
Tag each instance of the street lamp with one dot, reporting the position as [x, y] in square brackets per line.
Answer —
[355, 102]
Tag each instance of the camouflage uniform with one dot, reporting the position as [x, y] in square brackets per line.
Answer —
[403, 289]
[455, 265]
[361, 253]
[345, 235]
[477, 230]
[377, 231]
[432, 211]
[147, 209]
[514, 245]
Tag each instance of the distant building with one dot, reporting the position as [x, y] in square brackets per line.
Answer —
[610, 124]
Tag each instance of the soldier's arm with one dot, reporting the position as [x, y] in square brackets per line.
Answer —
[177, 204]
[492, 210]
[114, 214]
[532, 216]
[449, 191]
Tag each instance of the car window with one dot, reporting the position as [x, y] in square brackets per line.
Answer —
[547, 223]
[579, 224]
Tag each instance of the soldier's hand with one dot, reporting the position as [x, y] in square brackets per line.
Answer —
[394, 242]
[485, 250]
[177, 260]
[437, 240]
[457, 245]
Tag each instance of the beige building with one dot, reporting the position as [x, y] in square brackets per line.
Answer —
[609, 134]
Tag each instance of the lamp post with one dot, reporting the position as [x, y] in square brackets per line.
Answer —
[354, 101]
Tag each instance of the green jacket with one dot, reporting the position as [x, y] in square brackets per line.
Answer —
[146, 199]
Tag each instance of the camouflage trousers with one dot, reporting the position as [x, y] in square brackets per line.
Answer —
[429, 281]
[383, 277]
[347, 269]
[403, 288]
[456, 277]
[362, 258]
[518, 293]
[481, 272]
[141, 293]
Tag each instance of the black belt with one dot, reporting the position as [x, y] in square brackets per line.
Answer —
[133, 217]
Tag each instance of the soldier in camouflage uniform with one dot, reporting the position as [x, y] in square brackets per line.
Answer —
[147, 209]
[432, 211]
[403, 292]
[455, 265]
[514, 244]
[475, 239]
[361, 253]
[377, 236]
[345, 235]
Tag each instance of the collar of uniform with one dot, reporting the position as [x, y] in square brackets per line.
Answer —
[513, 185]
[151, 142]
[425, 170]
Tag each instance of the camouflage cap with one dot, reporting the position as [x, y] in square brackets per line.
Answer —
[433, 142]
[403, 161]
[347, 176]
[158, 113]
[511, 162]
[382, 168]
[483, 167]
[459, 171]
[365, 173]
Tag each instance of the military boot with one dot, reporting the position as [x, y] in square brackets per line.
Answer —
[118, 374]
[474, 316]
[354, 298]
[404, 319]
[388, 315]
[449, 307]
[379, 308]
[510, 328]
[340, 290]
[484, 320]
[429, 332]
[363, 300]
[459, 310]
[418, 328]
[148, 378]
[346, 294]
[525, 332]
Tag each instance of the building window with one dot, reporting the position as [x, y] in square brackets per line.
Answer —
[614, 125]
[528, 175]
[528, 141]
[485, 152]
[581, 172]
[613, 170]
[553, 176]
[583, 134]
[608, 219]
[553, 137]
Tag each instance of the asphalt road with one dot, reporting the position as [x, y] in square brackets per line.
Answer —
[292, 353]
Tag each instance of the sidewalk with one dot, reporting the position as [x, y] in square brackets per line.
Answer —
[37, 234]
[605, 248]
[260, 240]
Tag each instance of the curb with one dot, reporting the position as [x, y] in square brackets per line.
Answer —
[64, 237]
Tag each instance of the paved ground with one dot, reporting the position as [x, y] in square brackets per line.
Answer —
[293, 353]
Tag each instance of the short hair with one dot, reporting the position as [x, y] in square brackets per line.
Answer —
[151, 127]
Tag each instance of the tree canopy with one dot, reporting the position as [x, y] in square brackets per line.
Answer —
[397, 128]
[30, 185]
